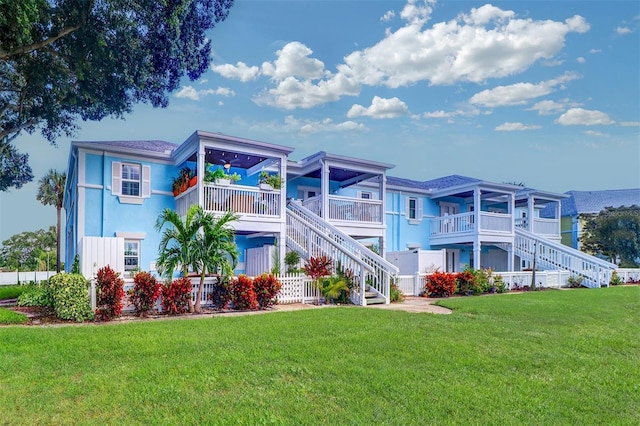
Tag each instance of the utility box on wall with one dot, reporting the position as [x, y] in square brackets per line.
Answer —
[410, 262]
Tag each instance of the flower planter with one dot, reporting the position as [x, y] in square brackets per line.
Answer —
[223, 182]
[193, 181]
[265, 186]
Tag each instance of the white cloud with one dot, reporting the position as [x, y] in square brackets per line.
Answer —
[190, 93]
[623, 30]
[326, 125]
[594, 133]
[519, 93]
[579, 116]
[485, 43]
[380, 108]
[548, 107]
[592, 51]
[240, 71]
[293, 61]
[581, 60]
[512, 127]
[630, 123]
[389, 15]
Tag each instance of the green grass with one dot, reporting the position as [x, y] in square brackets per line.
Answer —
[555, 357]
[9, 317]
[11, 291]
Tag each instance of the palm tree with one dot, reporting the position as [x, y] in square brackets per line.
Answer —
[51, 192]
[201, 241]
[177, 244]
[215, 248]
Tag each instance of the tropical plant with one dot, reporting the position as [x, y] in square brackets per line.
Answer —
[109, 294]
[396, 295]
[440, 284]
[266, 287]
[213, 175]
[316, 268]
[215, 249]
[176, 296]
[615, 279]
[144, 293]
[51, 192]
[177, 243]
[335, 288]
[575, 281]
[243, 296]
[70, 297]
[291, 260]
[273, 180]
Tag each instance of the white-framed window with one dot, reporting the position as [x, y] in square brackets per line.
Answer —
[413, 209]
[131, 255]
[365, 195]
[131, 174]
[131, 182]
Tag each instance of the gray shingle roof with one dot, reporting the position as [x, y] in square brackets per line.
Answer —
[596, 201]
[153, 145]
[433, 184]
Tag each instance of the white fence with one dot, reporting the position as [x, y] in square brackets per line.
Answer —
[629, 274]
[413, 285]
[24, 277]
[296, 288]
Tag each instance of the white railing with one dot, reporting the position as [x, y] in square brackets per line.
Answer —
[461, 223]
[629, 274]
[185, 200]
[310, 235]
[495, 222]
[411, 285]
[241, 199]
[347, 209]
[541, 226]
[544, 279]
[550, 255]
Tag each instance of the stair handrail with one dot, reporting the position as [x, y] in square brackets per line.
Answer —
[321, 225]
[566, 249]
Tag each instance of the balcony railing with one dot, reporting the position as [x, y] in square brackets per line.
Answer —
[245, 200]
[541, 226]
[464, 223]
[347, 209]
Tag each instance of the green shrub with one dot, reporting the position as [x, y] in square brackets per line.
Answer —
[36, 295]
[499, 284]
[396, 294]
[8, 316]
[11, 291]
[615, 279]
[574, 282]
[70, 297]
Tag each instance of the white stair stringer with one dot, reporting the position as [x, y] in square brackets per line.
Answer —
[551, 255]
[312, 236]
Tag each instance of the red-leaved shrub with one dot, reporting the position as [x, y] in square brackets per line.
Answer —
[220, 294]
[440, 284]
[266, 287]
[175, 296]
[144, 293]
[109, 294]
[243, 297]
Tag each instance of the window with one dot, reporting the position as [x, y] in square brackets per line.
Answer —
[131, 255]
[412, 211]
[366, 195]
[131, 179]
[131, 182]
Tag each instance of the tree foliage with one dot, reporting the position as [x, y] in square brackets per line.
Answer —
[615, 234]
[27, 251]
[64, 60]
[14, 167]
[51, 193]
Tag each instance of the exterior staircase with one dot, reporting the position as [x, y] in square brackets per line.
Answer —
[551, 255]
[312, 236]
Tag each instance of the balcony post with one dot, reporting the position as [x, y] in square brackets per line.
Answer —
[200, 173]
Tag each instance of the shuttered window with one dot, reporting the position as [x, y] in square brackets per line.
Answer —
[130, 181]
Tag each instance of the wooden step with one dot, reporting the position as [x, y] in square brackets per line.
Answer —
[376, 301]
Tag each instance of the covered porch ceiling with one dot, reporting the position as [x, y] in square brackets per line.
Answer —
[242, 160]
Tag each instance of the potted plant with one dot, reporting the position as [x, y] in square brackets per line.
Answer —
[214, 176]
[269, 181]
[234, 177]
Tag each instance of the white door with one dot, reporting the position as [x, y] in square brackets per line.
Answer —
[453, 260]
[448, 209]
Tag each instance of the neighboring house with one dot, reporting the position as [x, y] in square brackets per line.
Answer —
[327, 205]
[580, 205]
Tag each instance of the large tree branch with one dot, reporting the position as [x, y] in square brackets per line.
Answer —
[39, 45]
[13, 132]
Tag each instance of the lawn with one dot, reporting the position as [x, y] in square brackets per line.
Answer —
[553, 357]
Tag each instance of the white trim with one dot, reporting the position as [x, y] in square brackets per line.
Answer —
[80, 202]
[131, 235]
[90, 186]
[129, 157]
[160, 192]
[126, 199]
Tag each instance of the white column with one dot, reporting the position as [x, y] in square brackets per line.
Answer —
[477, 206]
[530, 203]
[200, 171]
[510, 260]
[324, 185]
[477, 249]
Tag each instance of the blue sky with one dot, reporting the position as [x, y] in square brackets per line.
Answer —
[541, 92]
